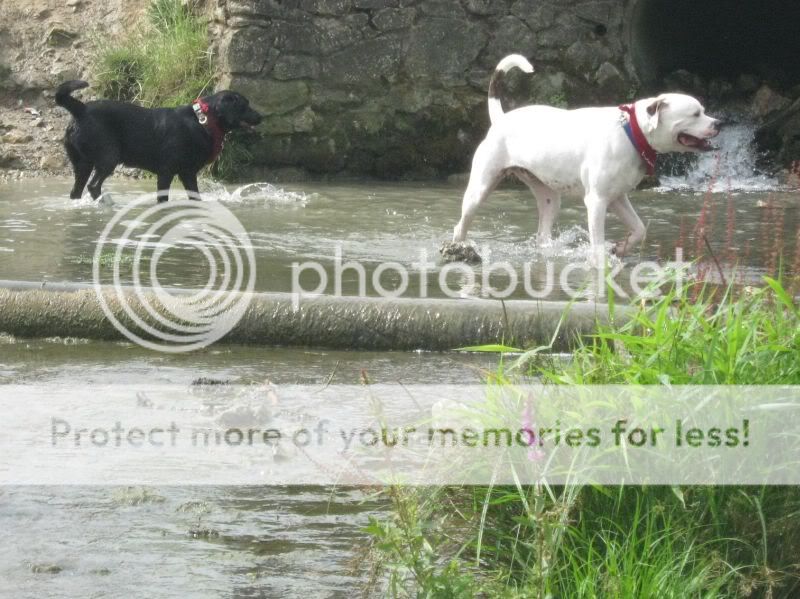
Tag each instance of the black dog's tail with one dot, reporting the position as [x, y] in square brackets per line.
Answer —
[65, 100]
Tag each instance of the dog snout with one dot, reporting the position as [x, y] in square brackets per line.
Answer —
[253, 117]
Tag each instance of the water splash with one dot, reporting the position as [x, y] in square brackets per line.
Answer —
[570, 244]
[252, 193]
[105, 203]
[737, 168]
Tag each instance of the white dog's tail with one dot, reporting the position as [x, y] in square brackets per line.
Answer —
[505, 65]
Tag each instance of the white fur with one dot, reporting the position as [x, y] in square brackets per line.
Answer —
[583, 151]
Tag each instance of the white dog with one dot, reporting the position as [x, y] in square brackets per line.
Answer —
[602, 153]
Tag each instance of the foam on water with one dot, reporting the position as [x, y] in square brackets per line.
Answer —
[731, 168]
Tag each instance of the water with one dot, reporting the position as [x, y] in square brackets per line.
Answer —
[181, 542]
[261, 542]
[46, 237]
[176, 542]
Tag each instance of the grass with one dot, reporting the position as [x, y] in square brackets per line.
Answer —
[234, 159]
[591, 541]
[746, 337]
[165, 61]
[632, 541]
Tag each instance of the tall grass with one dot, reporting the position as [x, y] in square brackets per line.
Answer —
[235, 159]
[637, 542]
[165, 61]
[748, 336]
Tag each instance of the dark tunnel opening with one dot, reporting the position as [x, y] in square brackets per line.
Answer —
[717, 39]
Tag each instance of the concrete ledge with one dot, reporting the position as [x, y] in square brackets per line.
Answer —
[73, 310]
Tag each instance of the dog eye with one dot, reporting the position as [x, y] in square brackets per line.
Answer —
[697, 114]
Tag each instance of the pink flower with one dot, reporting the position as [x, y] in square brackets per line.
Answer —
[535, 452]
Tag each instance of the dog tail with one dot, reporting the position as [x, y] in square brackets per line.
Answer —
[65, 100]
[505, 65]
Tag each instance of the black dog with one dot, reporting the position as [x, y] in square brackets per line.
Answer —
[165, 141]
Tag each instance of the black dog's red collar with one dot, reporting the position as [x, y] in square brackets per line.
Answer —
[209, 121]
[639, 141]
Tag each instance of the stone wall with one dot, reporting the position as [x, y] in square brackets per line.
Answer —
[397, 88]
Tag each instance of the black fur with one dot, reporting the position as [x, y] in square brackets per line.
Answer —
[164, 141]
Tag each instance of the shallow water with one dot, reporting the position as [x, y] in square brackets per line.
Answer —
[176, 542]
[77, 361]
[46, 237]
[181, 542]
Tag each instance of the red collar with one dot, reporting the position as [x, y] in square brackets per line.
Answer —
[639, 141]
[210, 123]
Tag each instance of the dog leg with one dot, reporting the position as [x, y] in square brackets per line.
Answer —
[482, 180]
[101, 173]
[636, 229]
[596, 208]
[83, 171]
[82, 168]
[548, 203]
[189, 182]
[163, 182]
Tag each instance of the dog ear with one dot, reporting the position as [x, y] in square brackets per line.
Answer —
[654, 109]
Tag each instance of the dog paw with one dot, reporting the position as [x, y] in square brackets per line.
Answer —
[619, 249]
[459, 251]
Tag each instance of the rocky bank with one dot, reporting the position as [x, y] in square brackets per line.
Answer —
[42, 43]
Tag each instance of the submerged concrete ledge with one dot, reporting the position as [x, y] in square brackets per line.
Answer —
[30, 309]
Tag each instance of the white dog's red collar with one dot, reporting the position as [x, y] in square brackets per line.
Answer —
[209, 122]
[639, 141]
